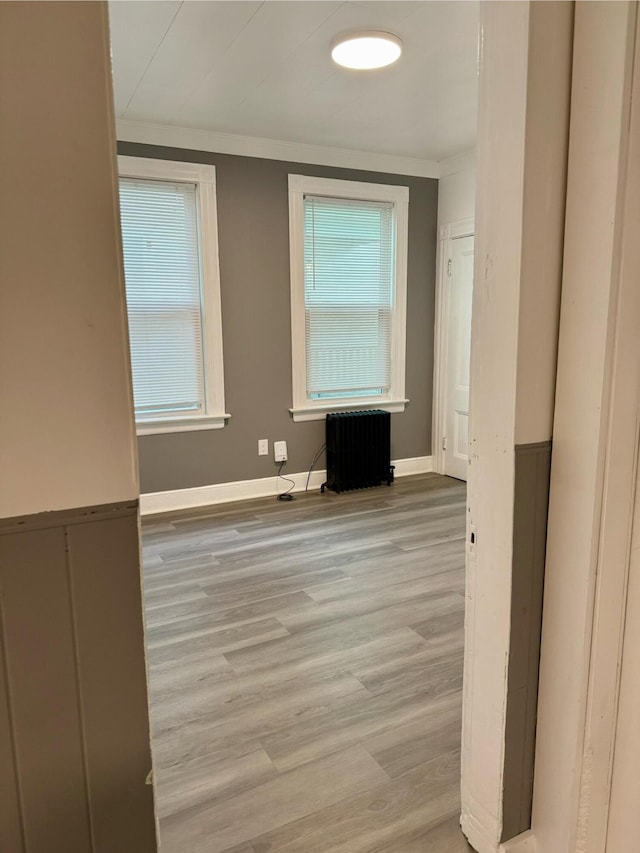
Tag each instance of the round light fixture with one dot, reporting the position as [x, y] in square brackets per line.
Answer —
[368, 49]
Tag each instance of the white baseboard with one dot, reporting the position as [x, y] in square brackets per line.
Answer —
[482, 830]
[241, 490]
[413, 465]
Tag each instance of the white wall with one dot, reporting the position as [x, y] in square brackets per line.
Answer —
[66, 427]
[457, 196]
[625, 789]
[545, 182]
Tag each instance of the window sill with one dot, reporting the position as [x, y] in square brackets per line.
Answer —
[319, 412]
[188, 424]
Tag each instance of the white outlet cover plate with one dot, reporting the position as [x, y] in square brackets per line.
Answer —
[280, 451]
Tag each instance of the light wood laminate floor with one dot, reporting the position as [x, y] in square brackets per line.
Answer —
[305, 664]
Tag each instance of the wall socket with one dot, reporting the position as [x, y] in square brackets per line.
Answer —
[280, 451]
[263, 447]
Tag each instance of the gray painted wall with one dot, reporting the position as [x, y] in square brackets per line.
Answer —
[530, 511]
[253, 227]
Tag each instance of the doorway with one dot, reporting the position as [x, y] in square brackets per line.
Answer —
[453, 349]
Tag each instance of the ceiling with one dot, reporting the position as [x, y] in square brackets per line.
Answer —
[263, 69]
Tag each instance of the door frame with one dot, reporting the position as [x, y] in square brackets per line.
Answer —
[523, 132]
[447, 233]
[593, 475]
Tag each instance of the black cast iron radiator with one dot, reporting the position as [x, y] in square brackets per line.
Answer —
[358, 450]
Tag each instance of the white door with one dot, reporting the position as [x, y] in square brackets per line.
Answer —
[459, 293]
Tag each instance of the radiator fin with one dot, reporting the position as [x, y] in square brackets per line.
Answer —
[358, 450]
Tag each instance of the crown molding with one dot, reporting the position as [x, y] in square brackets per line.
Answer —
[173, 136]
[459, 163]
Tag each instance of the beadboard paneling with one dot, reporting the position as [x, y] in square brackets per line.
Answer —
[73, 718]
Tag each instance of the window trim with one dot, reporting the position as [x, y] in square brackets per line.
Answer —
[204, 177]
[304, 408]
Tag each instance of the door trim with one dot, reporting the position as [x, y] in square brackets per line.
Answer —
[593, 471]
[446, 233]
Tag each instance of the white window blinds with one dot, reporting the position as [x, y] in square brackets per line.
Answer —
[348, 296]
[162, 276]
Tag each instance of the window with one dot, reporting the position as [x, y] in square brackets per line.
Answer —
[348, 243]
[169, 240]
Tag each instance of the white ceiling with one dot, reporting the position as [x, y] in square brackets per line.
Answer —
[263, 69]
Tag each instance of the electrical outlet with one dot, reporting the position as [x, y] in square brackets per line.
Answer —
[263, 447]
[280, 451]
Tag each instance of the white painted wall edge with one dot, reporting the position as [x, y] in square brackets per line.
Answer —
[480, 828]
[277, 149]
[459, 163]
[240, 490]
[479, 834]
[524, 843]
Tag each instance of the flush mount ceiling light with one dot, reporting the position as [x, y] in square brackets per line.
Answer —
[367, 49]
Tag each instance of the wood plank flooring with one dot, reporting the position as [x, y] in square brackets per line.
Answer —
[305, 665]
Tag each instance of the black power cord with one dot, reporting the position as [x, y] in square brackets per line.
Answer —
[315, 459]
[285, 496]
